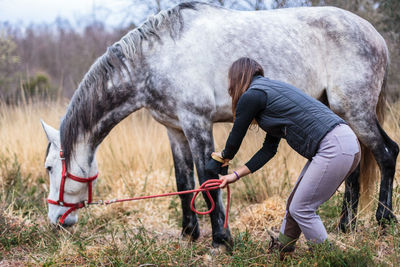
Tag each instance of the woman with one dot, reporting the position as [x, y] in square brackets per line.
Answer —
[309, 127]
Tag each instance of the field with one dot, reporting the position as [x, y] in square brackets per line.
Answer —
[135, 159]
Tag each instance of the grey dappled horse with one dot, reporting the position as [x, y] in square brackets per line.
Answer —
[175, 65]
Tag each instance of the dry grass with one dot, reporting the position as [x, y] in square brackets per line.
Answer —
[135, 159]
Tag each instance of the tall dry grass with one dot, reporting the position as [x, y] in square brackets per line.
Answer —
[135, 159]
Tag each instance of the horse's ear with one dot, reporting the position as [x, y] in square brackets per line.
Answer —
[52, 134]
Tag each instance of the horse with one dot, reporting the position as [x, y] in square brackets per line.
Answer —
[175, 65]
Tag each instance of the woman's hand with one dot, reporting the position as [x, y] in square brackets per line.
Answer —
[218, 154]
[227, 179]
[233, 177]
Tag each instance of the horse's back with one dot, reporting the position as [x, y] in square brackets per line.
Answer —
[317, 49]
[314, 48]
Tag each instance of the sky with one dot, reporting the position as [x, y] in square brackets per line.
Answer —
[113, 13]
[25, 12]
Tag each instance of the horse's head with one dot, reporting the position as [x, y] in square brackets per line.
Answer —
[74, 190]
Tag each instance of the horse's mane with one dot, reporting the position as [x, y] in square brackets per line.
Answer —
[86, 107]
[170, 19]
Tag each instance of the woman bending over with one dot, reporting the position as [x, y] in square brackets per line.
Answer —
[309, 127]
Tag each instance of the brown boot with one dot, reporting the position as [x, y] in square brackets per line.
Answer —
[285, 250]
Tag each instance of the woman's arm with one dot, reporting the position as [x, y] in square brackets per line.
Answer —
[259, 159]
[267, 152]
[249, 105]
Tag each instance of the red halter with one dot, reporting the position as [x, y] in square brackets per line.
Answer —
[207, 186]
[72, 206]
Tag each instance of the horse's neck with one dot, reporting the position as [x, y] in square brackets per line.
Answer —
[124, 96]
[105, 97]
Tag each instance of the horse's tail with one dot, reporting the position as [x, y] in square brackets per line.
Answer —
[368, 178]
[369, 168]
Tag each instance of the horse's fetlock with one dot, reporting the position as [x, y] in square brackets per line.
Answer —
[385, 216]
[191, 230]
[343, 224]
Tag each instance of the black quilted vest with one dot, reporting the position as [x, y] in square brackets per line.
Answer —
[291, 114]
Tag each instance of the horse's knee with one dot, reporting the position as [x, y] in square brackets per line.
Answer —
[213, 168]
[185, 183]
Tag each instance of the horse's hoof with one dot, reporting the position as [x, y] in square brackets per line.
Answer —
[220, 250]
[344, 226]
[223, 247]
[223, 240]
[385, 217]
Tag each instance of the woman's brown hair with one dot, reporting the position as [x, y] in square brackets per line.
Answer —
[240, 75]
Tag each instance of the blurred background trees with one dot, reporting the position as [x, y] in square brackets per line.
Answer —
[9, 62]
[49, 60]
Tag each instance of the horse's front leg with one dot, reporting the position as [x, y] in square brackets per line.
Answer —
[199, 134]
[183, 163]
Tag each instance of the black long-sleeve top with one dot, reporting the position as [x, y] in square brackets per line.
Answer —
[251, 103]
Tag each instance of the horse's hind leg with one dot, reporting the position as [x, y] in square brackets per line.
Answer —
[350, 201]
[386, 156]
[183, 164]
[385, 152]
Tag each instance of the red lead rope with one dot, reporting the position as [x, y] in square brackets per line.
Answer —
[207, 186]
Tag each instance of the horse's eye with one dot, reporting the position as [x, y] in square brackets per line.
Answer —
[48, 169]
